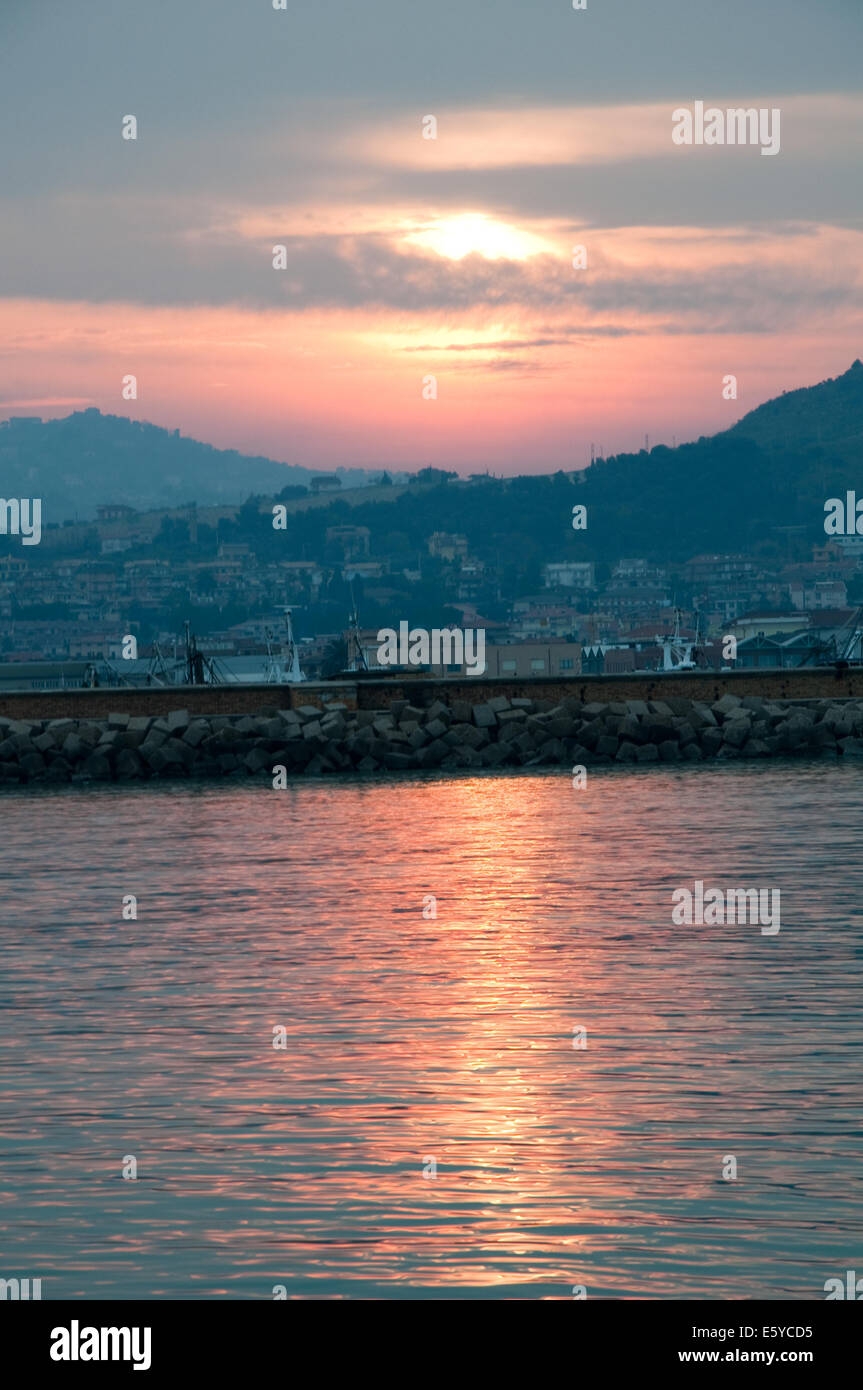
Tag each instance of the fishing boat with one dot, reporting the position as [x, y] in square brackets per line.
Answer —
[678, 653]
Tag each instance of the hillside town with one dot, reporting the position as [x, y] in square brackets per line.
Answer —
[88, 586]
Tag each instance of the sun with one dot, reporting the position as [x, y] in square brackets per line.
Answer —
[472, 233]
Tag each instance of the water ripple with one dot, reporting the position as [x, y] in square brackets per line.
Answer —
[412, 1038]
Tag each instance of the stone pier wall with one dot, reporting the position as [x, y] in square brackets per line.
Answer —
[157, 701]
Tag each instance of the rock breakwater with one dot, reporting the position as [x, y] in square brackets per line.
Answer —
[499, 732]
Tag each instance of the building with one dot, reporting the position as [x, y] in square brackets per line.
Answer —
[539, 624]
[470, 580]
[12, 567]
[519, 660]
[570, 574]
[115, 511]
[839, 627]
[765, 625]
[515, 660]
[760, 651]
[638, 569]
[829, 634]
[619, 661]
[707, 570]
[447, 547]
[96, 583]
[630, 600]
[97, 643]
[362, 569]
[818, 593]
[42, 675]
[353, 541]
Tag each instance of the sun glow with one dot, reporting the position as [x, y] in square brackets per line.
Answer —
[473, 233]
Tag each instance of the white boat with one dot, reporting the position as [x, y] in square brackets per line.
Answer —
[677, 652]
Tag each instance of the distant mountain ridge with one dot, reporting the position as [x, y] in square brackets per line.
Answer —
[758, 488]
[88, 458]
[740, 489]
[830, 413]
[771, 471]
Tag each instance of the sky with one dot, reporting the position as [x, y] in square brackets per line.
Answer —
[409, 259]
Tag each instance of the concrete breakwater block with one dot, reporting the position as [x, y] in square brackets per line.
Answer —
[497, 732]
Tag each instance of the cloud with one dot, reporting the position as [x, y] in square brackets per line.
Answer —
[50, 402]
[668, 279]
[574, 135]
[520, 344]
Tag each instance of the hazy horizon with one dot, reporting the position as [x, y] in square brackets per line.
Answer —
[408, 466]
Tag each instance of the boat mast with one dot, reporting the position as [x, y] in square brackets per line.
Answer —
[292, 655]
[356, 656]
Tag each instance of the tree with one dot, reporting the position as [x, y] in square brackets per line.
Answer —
[173, 533]
[435, 475]
[335, 658]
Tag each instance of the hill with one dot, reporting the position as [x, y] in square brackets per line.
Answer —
[815, 416]
[88, 458]
[759, 487]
